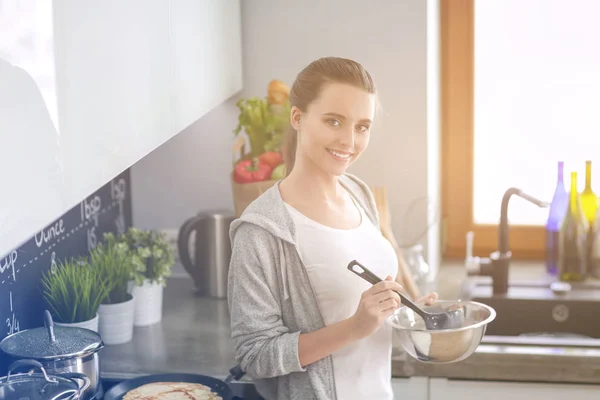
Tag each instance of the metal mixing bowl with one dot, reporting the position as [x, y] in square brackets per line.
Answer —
[446, 345]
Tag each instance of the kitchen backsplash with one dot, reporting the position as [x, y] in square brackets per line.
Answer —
[70, 235]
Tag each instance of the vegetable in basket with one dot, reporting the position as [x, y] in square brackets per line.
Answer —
[254, 170]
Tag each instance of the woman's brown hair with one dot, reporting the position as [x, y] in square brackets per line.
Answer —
[307, 88]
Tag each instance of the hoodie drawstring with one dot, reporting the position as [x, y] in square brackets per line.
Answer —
[284, 274]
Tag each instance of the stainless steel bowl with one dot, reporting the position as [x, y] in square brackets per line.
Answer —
[442, 346]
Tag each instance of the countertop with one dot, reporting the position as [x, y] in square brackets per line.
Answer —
[500, 361]
[194, 337]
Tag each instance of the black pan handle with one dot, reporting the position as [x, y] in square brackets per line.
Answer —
[236, 373]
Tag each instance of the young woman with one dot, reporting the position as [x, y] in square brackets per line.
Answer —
[305, 327]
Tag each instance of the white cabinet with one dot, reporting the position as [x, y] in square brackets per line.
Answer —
[113, 87]
[415, 388]
[445, 389]
[100, 85]
[206, 58]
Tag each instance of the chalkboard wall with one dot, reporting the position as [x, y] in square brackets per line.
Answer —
[71, 235]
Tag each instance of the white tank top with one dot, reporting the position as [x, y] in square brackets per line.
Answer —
[362, 370]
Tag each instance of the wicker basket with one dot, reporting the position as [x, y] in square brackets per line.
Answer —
[245, 193]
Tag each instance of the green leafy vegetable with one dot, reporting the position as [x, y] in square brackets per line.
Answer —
[263, 123]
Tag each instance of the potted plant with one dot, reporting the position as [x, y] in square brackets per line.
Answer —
[112, 261]
[264, 120]
[152, 258]
[73, 293]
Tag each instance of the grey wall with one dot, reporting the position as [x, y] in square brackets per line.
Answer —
[394, 41]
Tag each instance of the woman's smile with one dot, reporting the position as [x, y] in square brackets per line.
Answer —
[340, 155]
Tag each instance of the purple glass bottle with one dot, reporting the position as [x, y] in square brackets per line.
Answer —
[558, 209]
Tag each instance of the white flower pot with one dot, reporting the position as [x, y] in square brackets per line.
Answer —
[91, 324]
[116, 322]
[148, 303]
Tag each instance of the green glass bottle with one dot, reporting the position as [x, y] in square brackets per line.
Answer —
[573, 238]
[589, 204]
[589, 200]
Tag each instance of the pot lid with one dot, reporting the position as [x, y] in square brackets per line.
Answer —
[51, 342]
[36, 386]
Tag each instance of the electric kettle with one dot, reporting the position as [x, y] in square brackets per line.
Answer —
[207, 257]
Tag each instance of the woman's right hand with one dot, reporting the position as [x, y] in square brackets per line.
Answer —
[376, 304]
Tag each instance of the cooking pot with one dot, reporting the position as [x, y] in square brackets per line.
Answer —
[42, 386]
[60, 350]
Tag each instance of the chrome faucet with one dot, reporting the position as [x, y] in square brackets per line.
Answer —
[496, 266]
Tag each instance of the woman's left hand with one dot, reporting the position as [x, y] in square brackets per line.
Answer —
[428, 299]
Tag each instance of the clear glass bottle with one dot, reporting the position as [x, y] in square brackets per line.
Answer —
[419, 268]
[594, 259]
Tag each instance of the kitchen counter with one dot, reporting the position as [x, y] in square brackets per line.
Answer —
[194, 337]
[494, 360]
[502, 362]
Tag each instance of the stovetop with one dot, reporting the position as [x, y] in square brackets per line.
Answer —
[242, 390]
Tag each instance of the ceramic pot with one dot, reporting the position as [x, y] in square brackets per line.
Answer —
[91, 324]
[116, 322]
[148, 303]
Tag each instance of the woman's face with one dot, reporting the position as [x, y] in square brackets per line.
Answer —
[335, 129]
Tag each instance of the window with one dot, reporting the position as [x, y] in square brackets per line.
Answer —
[520, 91]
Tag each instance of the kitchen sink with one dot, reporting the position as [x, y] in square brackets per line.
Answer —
[533, 311]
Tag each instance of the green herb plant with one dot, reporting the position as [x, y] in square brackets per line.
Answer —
[263, 123]
[112, 261]
[74, 291]
[151, 255]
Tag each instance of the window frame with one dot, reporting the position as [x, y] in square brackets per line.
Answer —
[457, 96]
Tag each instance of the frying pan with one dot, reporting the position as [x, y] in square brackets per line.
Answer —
[218, 386]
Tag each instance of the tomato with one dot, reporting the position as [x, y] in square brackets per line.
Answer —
[254, 170]
[271, 158]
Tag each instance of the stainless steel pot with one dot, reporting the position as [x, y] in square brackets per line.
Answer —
[42, 386]
[60, 350]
